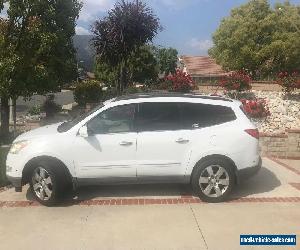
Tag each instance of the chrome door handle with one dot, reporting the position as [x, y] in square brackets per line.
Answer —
[126, 143]
[181, 140]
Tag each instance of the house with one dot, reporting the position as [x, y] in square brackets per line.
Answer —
[203, 69]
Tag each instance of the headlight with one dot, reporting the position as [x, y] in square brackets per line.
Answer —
[18, 146]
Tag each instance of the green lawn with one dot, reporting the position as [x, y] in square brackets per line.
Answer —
[3, 152]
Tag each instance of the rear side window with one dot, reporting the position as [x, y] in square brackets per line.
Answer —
[196, 115]
[156, 116]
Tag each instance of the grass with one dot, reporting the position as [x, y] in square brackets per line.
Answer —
[3, 153]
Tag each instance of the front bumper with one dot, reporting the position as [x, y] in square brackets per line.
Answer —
[246, 173]
[16, 182]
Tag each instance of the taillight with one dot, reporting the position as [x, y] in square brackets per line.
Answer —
[253, 132]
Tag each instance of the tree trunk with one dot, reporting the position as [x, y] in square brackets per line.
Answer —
[15, 114]
[4, 131]
[121, 80]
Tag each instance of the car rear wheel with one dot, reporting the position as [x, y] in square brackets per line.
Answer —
[213, 180]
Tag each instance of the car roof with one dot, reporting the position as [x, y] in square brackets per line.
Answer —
[169, 94]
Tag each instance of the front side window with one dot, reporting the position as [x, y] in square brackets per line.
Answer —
[197, 115]
[119, 119]
[158, 116]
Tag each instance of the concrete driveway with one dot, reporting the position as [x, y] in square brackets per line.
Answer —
[156, 216]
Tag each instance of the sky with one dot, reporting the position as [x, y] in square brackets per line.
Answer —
[188, 25]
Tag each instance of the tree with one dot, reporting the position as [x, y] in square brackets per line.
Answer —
[142, 67]
[105, 73]
[259, 39]
[167, 58]
[36, 49]
[127, 27]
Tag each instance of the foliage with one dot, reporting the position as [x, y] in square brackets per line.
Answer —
[289, 81]
[36, 47]
[178, 82]
[127, 27]
[35, 110]
[105, 73]
[142, 67]
[50, 107]
[259, 39]
[167, 59]
[256, 108]
[237, 81]
[88, 92]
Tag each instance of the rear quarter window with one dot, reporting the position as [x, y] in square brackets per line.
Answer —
[197, 115]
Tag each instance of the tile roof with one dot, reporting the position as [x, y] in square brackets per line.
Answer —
[201, 66]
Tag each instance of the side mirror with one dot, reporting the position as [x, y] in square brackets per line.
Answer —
[83, 132]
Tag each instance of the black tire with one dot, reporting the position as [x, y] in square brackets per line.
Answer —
[58, 182]
[201, 169]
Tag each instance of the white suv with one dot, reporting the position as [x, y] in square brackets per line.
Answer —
[145, 138]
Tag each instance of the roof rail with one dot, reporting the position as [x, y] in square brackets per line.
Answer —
[169, 94]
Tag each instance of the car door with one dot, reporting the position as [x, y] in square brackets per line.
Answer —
[109, 152]
[162, 144]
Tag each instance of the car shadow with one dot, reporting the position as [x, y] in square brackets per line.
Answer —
[265, 181]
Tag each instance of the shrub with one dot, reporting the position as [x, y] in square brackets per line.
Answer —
[35, 110]
[236, 81]
[88, 92]
[289, 81]
[50, 107]
[256, 108]
[178, 82]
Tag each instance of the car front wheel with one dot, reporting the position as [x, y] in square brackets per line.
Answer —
[44, 185]
[213, 180]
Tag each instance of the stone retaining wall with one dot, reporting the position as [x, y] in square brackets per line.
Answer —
[286, 145]
[259, 86]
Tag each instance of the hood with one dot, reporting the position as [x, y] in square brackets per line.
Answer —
[42, 131]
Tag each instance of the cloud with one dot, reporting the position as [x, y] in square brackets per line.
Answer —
[200, 45]
[81, 31]
[91, 8]
[3, 13]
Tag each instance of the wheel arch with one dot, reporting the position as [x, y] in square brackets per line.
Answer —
[29, 166]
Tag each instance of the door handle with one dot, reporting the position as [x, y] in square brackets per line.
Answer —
[126, 143]
[181, 140]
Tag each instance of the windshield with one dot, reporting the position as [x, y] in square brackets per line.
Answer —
[64, 127]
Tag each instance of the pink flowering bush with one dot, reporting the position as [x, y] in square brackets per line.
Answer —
[256, 108]
[289, 81]
[178, 82]
[236, 81]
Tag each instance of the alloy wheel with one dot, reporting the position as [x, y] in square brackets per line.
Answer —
[42, 184]
[214, 181]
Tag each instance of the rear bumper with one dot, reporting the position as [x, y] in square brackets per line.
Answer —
[246, 173]
[16, 182]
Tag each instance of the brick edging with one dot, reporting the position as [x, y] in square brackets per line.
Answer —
[136, 201]
[296, 171]
[281, 135]
[293, 131]
[282, 157]
[295, 185]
